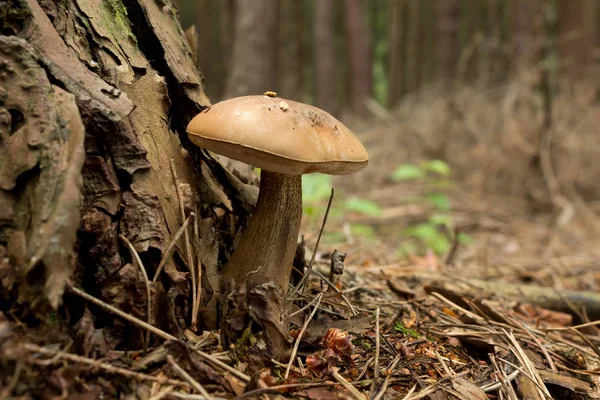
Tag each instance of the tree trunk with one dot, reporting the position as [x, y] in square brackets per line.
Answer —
[397, 50]
[359, 56]
[413, 73]
[291, 56]
[325, 56]
[575, 37]
[254, 56]
[526, 28]
[447, 39]
[135, 181]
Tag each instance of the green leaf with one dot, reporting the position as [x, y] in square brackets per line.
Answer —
[439, 201]
[463, 238]
[363, 206]
[406, 249]
[363, 230]
[440, 219]
[406, 172]
[425, 232]
[399, 327]
[315, 187]
[437, 167]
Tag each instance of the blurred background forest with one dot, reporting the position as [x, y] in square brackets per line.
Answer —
[505, 92]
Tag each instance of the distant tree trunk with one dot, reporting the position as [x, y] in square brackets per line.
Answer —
[325, 56]
[359, 56]
[254, 56]
[413, 73]
[447, 39]
[227, 13]
[290, 58]
[575, 37]
[209, 55]
[396, 52]
[526, 26]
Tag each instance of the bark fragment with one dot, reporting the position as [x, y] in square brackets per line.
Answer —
[41, 148]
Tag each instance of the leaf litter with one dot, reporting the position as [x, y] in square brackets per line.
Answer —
[427, 340]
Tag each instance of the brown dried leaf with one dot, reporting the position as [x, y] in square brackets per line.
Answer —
[468, 389]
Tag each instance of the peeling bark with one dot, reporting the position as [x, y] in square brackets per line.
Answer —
[41, 148]
[120, 74]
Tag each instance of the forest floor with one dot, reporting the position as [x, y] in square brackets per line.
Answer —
[506, 314]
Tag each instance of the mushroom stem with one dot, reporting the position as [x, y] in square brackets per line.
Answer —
[267, 247]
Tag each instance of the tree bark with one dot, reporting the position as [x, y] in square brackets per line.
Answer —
[291, 53]
[123, 71]
[447, 39]
[325, 56]
[254, 56]
[413, 73]
[575, 37]
[526, 28]
[397, 51]
[359, 56]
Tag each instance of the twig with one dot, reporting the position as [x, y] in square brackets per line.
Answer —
[6, 391]
[164, 392]
[537, 341]
[492, 387]
[338, 291]
[510, 391]
[196, 305]
[60, 355]
[187, 377]
[297, 343]
[170, 248]
[528, 365]
[122, 314]
[377, 345]
[138, 260]
[302, 283]
[531, 378]
[568, 328]
[158, 332]
[410, 392]
[357, 395]
[388, 375]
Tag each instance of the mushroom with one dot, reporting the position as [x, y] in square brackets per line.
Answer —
[285, 139]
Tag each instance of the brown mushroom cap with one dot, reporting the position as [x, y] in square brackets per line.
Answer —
[278, 135]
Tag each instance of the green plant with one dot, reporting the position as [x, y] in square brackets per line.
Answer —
[316, 189]
[399, 327]
[436, 233]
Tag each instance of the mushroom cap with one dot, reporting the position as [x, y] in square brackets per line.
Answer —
[278, 135]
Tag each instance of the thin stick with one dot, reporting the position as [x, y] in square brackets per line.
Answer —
[170, 248]
[188, 246]
[164, 392]
[138, 260]
[568, 328]
[196, 305]
[187, 377]
[297, 343]
[388, 375]
[377, 345]
[60, 355]
[342, 295]
[157, 332]
[410, 392]
[355, 392]
[302, 283]
[492, 387]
